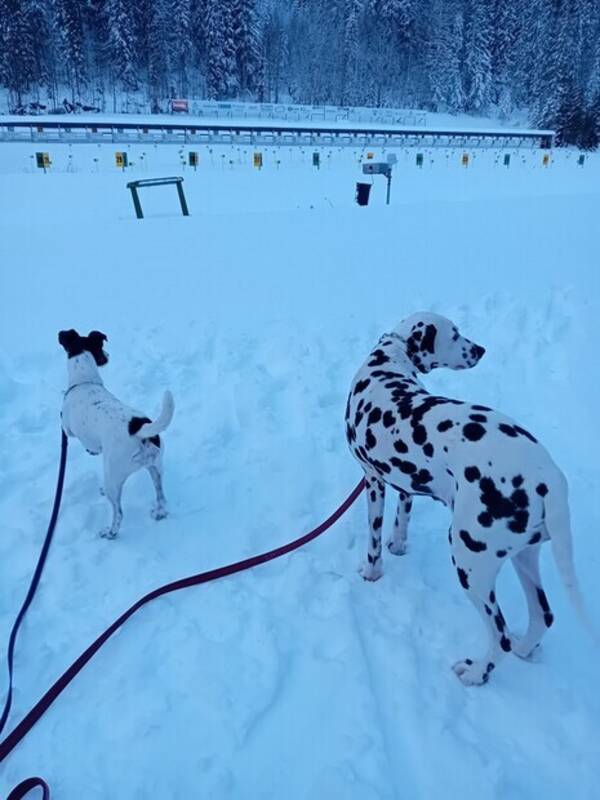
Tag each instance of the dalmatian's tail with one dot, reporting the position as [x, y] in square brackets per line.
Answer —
[162, 421]
[558, 524]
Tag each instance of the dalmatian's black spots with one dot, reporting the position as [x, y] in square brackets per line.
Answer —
[478, 417]
[463, 578]
[370, 440]
[378, 358]
[500, 621]
[517, 481]
[544, 605]
[374, 416]
[472, 474]
[445, 425]
[380, 466]
[428, 450]
[515, 430]
[508, 430]
[501, 553]
[481, 408]
[371, 558]
[428, 343]
[541, 489]
[373, 495]
[350, 433]
[473, 544]
[537, 537]
[388, 419]
[519, 522]
[488, 610]
[473, 431]
[360, 386]
[492, 597]
[407, 467]
[498, 506]
[377, 523]
[505, 644]
[520, 498]
[420, 480]
[388, 375]
[400, 446]
[419, 434]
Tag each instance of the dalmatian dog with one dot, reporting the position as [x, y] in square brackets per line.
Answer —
[127, 440]
[506, 494]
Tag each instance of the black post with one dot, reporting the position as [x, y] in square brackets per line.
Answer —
[136, 202]
[389, 186]
[184, 207]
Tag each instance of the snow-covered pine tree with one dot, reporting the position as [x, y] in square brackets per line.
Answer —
[157, 44]
[222, 78]
[43, 43]
[477, 66]
[120, 43]
[17, 58]
[181, 44]
[444, 56]
[275, 55]
[350, 64]
[68, 24]
[503, 53]
[246, 39]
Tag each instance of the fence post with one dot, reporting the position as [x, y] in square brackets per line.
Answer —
[184, 207]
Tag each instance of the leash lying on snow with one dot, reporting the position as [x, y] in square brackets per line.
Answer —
[21, 730]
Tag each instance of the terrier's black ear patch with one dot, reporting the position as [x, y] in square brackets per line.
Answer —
[428, 343]
[72, 342]
[93, 343]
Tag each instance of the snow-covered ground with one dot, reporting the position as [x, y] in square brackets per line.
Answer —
[297, 679]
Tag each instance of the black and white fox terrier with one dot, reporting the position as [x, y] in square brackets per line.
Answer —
[127, 440]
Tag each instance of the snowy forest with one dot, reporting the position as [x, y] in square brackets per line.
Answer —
[486, 57]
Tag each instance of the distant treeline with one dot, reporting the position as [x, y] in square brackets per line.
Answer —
[474, 56]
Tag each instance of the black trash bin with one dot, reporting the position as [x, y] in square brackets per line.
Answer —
[362, 193]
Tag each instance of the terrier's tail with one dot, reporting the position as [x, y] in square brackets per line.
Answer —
[163, 420]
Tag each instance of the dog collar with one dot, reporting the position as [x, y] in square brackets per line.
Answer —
[83, 383]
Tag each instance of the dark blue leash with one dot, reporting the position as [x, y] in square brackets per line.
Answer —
[28, 599]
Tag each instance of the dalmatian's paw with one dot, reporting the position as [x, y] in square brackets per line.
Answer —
[473, 673]
[524, 650]
[159, 512]
[397, 548]
[371, 572]
[108, 533]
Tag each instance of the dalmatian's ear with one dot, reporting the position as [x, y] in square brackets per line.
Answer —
[72, 342]
[94, 344]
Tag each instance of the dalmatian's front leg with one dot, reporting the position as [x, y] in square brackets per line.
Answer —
[397, 544]
[477, 568]
[372, 570]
